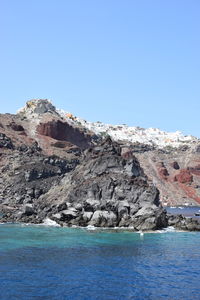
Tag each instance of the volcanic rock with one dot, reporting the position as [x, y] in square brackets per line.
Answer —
[184, 176]
[62, 131]
[111, 189]
[57, 162]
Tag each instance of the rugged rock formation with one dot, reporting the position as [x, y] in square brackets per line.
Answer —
[62, 131]
[105, 190]
[52, 165]
[175, 173]
[26, 174]
[38, 106]
[181, 222]
[161, 154]
[5, 142]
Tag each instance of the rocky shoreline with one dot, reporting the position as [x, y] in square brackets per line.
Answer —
[174, 223]
[104, 188]
[49, 169]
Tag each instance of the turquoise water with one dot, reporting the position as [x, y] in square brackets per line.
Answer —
[38, 262]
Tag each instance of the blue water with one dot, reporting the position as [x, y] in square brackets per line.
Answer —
[38, 262]
[187, 211]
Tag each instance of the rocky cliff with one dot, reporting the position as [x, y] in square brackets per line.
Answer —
[55, 165]
[106, 189]
[170, 160]
[175, 172]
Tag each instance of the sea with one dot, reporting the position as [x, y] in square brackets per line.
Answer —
[47, 262]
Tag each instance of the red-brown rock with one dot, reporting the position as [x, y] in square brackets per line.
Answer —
[162, 170]
[62, 131]
[184, 176]
[16, 127]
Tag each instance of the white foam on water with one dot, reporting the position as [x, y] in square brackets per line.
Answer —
[168, 229]
[91, 227]
[49, 222]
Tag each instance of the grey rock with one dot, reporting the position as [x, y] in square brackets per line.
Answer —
[91, 205]
[57, 216]
[123, 208]
[5, 142]
[103, 218]
[133, 209]
[78, 206]
[44, 106]
[87, 215]
[146, 210]
[28, 209]
[69, 214]
[103, 189]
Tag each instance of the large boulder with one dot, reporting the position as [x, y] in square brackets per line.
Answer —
[103, 219]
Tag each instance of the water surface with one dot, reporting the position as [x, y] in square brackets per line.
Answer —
[38, 262]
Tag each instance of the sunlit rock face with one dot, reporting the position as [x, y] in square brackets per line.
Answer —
[62, 131]
[54, 131]
[38, 106]
[106, 190]
[170, 160]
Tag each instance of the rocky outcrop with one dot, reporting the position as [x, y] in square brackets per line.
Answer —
[62, 131]
[16, 127]
[5, 142]
[175, 173]
[38, 106]
[52, 165]
[26, 174]
[106, 187]
[169, 159]
[162, 170]
[105, 190]
[180, 222]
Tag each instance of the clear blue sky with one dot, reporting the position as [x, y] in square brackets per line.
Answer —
[127, 61]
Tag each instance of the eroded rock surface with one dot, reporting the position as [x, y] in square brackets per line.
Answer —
[54, 166]
[105, 190]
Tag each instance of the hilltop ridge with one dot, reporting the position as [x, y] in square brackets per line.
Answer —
[133, 134]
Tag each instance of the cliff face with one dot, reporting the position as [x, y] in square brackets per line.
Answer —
[52, 168]
[106, 190]
[39, 131]
[62, 131]
[39, 122]
[36, 149]
[176, 174]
